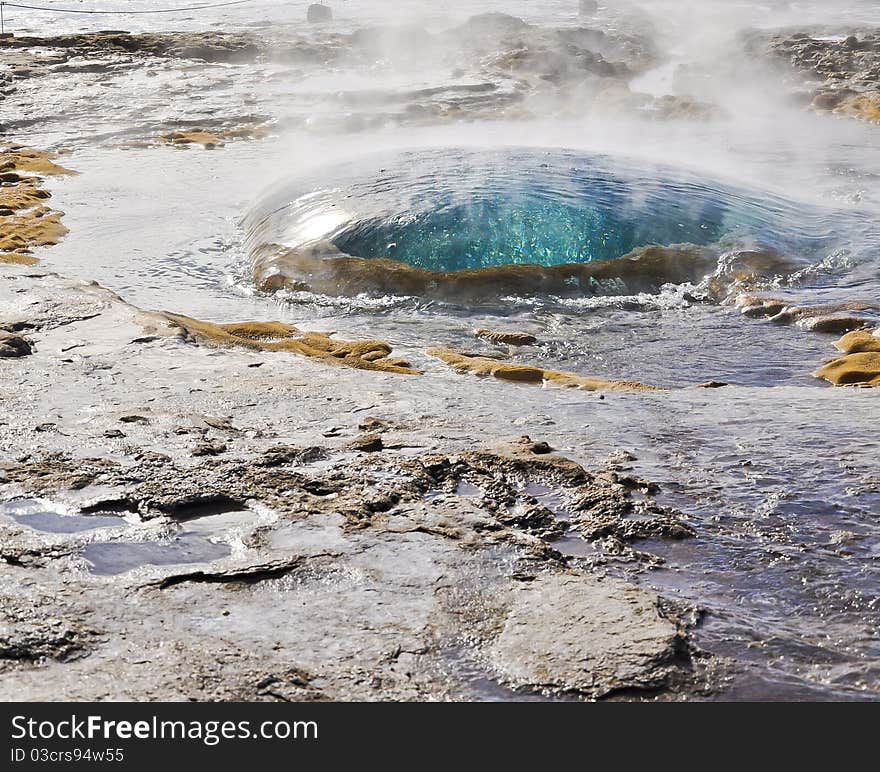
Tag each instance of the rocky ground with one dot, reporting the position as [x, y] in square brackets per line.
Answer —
[256, 537]
[205, 511]
[835, 70]
[494, 66]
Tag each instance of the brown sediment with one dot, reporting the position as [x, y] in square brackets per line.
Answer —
[25, 220]
[25, 159]
[860, 363]
[212, 138]
[16, 258]
[477, 365]
[866, 107]
[859, 341]
[320, 267]
[827, 317]
[861, 369]
[277, 336]
[506, 338]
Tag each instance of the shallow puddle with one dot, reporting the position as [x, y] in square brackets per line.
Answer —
[110, 558]
[39, 516]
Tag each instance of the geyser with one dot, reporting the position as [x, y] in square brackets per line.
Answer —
[447, 221]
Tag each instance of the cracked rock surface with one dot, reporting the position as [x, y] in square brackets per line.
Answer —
[292, 562]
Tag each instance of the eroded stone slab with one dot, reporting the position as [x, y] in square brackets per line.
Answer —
[584, 634]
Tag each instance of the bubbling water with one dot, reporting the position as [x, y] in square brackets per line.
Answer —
[534, 215]
[447, 211]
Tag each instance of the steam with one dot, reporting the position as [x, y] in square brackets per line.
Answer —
[741, 117]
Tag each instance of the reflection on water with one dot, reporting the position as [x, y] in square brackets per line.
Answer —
[38, 515]
[450, 209]
[108, 558]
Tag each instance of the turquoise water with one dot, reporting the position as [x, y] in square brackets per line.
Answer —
[513, 226]
[450, 209]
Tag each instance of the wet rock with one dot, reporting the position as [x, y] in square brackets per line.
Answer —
[483, 366]
[371, 424]
[245, 575]
[835, 324]
[318, 13]
[756, 309]
[209, 448]
[211, 138]
[649, 522]
[842, 73]
[492, 24]
[277, 336]
[831, 100]
[578, 634]
[367, 443]
[33, 640]
[536, 519]
[322, 268]
[506, 338]
[134, 419]
[282, 455]
[671, 107]
[291, 685]
[392, 41]
[588, 7]
[861, 369]
[358, 570]
[208, 46]
[12, 345]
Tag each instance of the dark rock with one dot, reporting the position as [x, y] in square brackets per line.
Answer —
[588, 7]
[281, 455]
[506, 338]
[494, 24]
[12, 345]
[371, 424]
[319, 13]
[209, 448]
[134, 419]
[367, 443]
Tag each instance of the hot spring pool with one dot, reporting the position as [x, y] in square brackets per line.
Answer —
[449, 210]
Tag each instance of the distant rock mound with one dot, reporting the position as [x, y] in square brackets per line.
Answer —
[318, 13]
